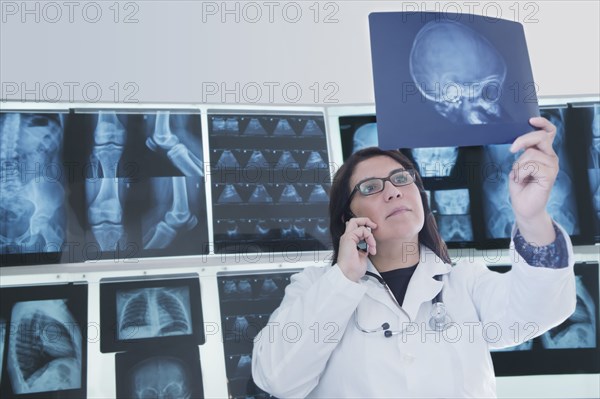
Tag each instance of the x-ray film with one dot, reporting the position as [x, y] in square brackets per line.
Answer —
[246, 303]
[32, 193]
[46, 351]
[446, 80]
[147, 312]
[573, 347]
[270, 182]
[174, 372]
[451, 209]
[357, 132]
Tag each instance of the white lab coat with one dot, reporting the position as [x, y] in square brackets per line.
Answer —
[312, 348]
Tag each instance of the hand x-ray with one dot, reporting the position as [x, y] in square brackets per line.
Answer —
[449, 79]
[32, 205]
[160, 373]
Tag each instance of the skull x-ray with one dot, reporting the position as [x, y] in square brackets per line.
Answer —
[153, 312]
[451, 209]
[32, 207]
[270, 182]
[497, 164]
[45, 352]
[175, 373]
[435, 161]
[449, 80]
[357, 132]
[459, 71]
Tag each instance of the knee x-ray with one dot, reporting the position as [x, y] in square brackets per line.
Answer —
[32, 206]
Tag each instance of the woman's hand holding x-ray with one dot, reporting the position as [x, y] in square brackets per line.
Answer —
[531, 180]
[351, 261]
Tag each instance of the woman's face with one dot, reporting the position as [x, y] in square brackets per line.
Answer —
[398, 211]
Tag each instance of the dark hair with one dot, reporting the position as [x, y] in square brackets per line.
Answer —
[340, 191]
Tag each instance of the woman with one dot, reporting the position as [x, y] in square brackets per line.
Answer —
[373, 325]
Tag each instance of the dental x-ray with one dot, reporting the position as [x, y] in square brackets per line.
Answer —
[246, 303]
[444, 80]
[270, 182]
[573, 347]
[46, 352]
[172, 372]
[138, 313]
[32, 193]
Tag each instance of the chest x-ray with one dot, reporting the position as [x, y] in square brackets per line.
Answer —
[449, 80]
[31, 195]
[452, 213]
[497, 164]
[153, 312]
[45, 351]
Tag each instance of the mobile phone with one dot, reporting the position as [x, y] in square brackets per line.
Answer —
[362, 244]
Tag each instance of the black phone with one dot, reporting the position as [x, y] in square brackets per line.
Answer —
[362, 244]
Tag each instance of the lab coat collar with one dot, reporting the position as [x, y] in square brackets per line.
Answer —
[423, 286]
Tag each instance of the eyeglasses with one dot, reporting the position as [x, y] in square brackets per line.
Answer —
[374, 185]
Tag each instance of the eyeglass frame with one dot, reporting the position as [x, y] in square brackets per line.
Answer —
[411, 172]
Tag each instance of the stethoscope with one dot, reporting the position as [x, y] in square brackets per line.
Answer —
[438, 319]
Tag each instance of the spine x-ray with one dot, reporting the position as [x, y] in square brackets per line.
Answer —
[451, 209]
[497, 164]
[270, 182]
[153, 312]
[45, 353]
[32, 177]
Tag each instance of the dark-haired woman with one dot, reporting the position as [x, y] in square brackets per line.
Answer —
[394, 318]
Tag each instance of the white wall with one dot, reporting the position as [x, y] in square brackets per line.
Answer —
[182, 51]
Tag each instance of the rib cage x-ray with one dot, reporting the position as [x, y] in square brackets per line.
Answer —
[31, 195]
[459, 71]
[452, 211]
[435, 161]
[153, 312]
[45, 353]
[579, 330]
[160, 377]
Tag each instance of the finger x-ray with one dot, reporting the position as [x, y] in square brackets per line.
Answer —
[45, 349]
[32, 205]
[451, 209]
[270, 177]
[168, 373]
[572, 347]
[150, 312]
[445, 80]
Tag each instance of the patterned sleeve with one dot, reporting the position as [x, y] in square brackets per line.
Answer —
[553, 256]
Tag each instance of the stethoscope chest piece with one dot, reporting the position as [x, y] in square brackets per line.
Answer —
[439, 317]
